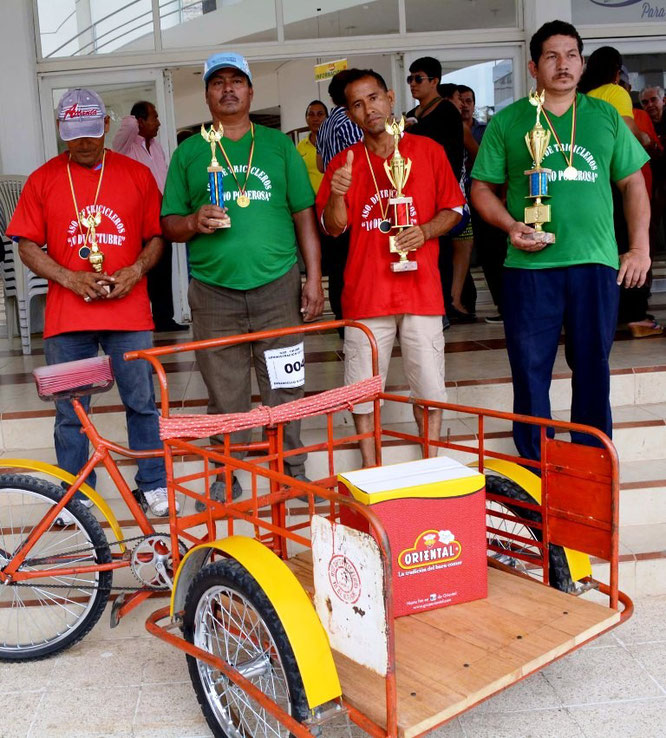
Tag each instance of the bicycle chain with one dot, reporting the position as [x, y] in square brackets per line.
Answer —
[50, 559]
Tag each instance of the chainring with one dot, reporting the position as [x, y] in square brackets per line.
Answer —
[151, 561]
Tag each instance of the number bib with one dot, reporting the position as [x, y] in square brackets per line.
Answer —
[286, 366]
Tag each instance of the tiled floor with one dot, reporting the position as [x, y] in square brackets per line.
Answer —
[124, 683]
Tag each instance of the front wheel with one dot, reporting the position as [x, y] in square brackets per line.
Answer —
[228, 615]
[42, 616]
[558, 566]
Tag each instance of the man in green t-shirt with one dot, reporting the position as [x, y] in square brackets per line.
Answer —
[242, 252]
[572, 283]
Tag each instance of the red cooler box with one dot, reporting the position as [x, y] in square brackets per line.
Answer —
[434, 513]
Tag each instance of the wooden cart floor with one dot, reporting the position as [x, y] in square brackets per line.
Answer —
[449, 659]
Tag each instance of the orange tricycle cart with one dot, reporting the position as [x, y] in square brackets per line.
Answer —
[393, 598]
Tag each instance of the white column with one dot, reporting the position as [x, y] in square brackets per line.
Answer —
[21, 146]
[538, 12]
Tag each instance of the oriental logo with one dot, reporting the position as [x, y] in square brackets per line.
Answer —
[430, 547]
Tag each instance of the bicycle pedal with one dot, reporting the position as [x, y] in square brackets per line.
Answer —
[115, 609]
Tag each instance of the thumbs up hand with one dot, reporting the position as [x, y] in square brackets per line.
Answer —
[342, 177]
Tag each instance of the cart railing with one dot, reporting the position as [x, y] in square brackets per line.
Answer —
[566, 484]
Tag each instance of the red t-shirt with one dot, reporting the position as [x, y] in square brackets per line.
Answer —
[371, 288]
[129, 203]
[644, 124]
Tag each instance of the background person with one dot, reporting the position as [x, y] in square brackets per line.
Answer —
[86, 310]
[137, 138]
[315, 114]
[601, 80]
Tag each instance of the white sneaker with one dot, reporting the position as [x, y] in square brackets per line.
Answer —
[158, 502]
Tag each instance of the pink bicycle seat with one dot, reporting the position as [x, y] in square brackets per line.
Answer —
[74, 378]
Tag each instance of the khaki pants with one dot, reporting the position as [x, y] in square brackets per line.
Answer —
[217, 312]
[422, 345]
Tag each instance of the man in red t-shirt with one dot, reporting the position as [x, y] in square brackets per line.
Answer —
[84, 200]
[355, 194]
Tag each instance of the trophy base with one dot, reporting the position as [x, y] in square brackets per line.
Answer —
[404, 266]
[541, 237]
[220, 223]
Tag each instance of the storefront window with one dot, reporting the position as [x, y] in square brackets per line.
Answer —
[83, 27]
[212, 23]
[601, 12]
[458, 15]
[305, 19]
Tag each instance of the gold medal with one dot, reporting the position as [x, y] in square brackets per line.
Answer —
[242, 200]
[570, 173]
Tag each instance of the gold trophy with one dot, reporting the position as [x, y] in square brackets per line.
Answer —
[213, 137]
[96, 256]
[537, 141]
[398, 172]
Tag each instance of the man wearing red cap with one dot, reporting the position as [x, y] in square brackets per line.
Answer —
[85, 202]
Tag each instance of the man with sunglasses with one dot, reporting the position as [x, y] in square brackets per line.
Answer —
[435, 117]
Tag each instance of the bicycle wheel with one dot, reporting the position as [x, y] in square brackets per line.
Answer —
[228, 615]
[40, 617]
[559, 575]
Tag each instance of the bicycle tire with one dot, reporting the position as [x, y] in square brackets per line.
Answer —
[68, 605]
[558, 566]
[228, 586]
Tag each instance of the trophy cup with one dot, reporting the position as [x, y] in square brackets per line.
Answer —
[213, 136]
[96, 255]
[537, 140]
[398, 172]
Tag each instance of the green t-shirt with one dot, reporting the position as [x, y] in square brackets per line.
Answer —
[605, 151]
[261, 244]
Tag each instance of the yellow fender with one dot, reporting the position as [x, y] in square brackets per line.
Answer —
[299, 619]
[579, 563]
[63, 476]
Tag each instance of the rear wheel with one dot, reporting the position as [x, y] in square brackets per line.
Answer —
[559, 574]
[228, 615]
[42, 616]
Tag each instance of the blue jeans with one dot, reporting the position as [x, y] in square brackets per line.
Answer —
[135, 384]
[538, 303]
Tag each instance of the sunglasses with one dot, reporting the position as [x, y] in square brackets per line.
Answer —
[418, 78]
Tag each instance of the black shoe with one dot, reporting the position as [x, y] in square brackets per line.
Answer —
[218, 492]
[305, 498]
[458, 316]
[171, 327]
[446, 323]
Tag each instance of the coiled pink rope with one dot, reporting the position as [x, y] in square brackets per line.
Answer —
[202, 426]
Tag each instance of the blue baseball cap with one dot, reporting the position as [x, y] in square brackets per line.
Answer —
[228, 59]
[81, 114]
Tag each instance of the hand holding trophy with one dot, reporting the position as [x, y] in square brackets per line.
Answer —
[537, 140]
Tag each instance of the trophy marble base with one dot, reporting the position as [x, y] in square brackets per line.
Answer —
[404, 266]
[541, 237]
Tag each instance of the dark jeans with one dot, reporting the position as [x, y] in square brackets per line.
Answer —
[135, 384]
[160, 291]
[334, 259]
[217, 312]
[491, 247]
[538, 303]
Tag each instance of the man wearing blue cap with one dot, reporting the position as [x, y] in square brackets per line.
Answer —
[243, 256]
[88, 198]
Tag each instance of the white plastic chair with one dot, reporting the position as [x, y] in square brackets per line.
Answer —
[19, 282]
